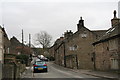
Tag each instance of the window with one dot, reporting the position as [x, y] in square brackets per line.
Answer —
[83, 35]
[72, 48]
[114, 63]
[75, 47]
[113, 44]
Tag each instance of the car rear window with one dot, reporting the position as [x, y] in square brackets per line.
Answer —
[40, 62]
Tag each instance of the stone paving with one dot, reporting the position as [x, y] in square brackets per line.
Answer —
[109, 75]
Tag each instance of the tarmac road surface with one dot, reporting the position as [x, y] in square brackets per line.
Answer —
[56, 72]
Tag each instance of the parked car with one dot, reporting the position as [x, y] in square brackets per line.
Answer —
[40, 66]
[44, 59]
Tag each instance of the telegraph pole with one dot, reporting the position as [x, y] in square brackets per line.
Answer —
[22, 41]
[29, 40]
[30, 46]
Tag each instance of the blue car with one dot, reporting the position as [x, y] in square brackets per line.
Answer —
[40, 66]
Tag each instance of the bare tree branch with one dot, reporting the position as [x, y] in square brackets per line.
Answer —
[43, 39]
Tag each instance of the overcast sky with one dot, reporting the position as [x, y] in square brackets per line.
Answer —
[54, 16]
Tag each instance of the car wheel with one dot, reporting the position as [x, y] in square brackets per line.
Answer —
[46, 70]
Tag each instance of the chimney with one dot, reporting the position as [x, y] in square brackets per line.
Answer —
[68, 34]
[80, 24]
[115, 21]
[61, 38]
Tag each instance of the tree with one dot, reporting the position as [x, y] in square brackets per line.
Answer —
[43, 39]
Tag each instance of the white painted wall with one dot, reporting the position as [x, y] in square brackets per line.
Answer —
[1, 52]
[0, 12]
[1, 46]
[119, 9]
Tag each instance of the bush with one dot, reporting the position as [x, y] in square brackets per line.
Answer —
[23, 58]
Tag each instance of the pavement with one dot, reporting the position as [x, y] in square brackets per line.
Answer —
[108, 75]
[111, 75]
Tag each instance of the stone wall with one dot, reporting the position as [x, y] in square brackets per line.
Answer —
[12, 71]
[0, 71]
[106, 55]
[13, 67]
[8, 71]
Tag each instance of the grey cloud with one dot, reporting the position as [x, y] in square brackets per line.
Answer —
[55, 18]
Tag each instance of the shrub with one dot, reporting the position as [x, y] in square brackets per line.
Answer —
[51, 58]
[23, 58]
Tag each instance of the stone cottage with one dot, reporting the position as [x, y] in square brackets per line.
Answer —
[107, 48]
[75, 50]
[4, 48]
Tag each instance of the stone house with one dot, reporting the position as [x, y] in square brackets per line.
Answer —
[1, 45]
[1, 51]
[75, 50]
[17, 48]
[79, 52]
[4, 44]
[36, 51]
[107, 48]
[51, 51]
[14, 44]
[59, 51]
[9, 68]
[4, 48]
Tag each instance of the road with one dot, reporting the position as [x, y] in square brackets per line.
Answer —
[57, 72]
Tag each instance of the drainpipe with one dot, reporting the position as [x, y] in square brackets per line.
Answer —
[64, 55]
[94, 64]
[118, 66]
[119, 63]
[76, 61]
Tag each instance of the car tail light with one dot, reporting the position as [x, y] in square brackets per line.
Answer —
[35, 65]
[45, 65]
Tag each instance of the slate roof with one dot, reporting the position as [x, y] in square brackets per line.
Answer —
[111, 33]
[99, 32]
